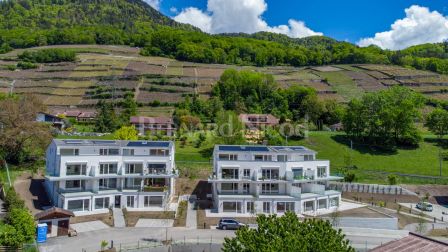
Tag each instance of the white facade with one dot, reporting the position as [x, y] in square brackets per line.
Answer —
[271, 179]
[91, 176]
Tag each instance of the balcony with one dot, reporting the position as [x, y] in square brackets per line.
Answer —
[155, 189]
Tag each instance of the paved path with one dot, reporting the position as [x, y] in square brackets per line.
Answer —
[89, 226]
[192, 222]
[155, 223]
[119, 218]
[360, 238]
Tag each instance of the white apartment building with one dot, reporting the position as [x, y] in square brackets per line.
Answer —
[271, 179]
[91, 176]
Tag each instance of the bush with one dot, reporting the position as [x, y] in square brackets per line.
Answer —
[349, 177]
[11, 67]
[52, 55]
[12, 200]
[392, 179]
[10, 237]
[23, 222]
[26, 65]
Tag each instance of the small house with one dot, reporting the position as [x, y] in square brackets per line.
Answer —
[57, 220]
[258, 121]
[154, 125]
[55, 121]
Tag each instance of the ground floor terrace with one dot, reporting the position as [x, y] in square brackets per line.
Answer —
[307, 203]
[89, 203]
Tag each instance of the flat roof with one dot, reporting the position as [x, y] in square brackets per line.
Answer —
[111, 143]
[263, 148]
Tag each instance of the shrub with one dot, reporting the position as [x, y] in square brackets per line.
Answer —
[349, 177]
[392, 179]
[11, 67]
[52, 55]
[26, 65]
[12, 200]
[23, 222]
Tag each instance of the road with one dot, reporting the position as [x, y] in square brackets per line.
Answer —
[140, 237]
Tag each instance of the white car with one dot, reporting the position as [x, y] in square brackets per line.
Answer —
[424, 206]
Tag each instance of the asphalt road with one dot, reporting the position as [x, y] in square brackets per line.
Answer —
[148, 239]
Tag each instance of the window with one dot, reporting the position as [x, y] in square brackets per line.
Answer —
[130, 201]
[74, 184]
[134, 168]
[229, 173]
[269, 188]
[263, 158]
[229, 157]
[102, 203]
[76, 169]
[229, 187]
[321, 171]
[233, 207]
[285, 206]
[246, 188]
[109, 152]
[308, 157]
[128, 152]
[159, 152]
[309, 206]
[269, 174]
[250, 207]
[108, 184]
[282, 158]
[78, 205]
[246, 173]
[153, 201]
[69, 152]
[133, 183]
[297, 173]
[108, 168]
[322, 204]
[266, 207]
[157, 168]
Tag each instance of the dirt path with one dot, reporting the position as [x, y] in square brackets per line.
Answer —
[31, 190]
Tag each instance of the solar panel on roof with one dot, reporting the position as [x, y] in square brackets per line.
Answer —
[242, 148]
[103, 142]
[148, 144]
[73, 141]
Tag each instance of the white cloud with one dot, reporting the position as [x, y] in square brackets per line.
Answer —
[419, 26]
[226, 16]
[174, 10]
[196, 18]
[154, 3]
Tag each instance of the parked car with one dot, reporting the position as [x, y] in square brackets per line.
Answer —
[225, 224]
[424, 206]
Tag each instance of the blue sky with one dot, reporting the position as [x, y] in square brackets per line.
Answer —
[349, 20]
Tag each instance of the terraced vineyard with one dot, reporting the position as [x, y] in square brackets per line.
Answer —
[108, 72]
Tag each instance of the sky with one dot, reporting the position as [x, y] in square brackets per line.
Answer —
[390, 24]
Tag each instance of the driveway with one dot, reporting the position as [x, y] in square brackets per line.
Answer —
[437, 211]
[360, 238]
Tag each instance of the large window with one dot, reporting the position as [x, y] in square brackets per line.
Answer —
[229, 173]
[228, 157]
[109, 152]
[246, 188]
[76, 169]
[269, 174]
[297, 173]
[157, 168]
[108, 168]
[229, 188]
[309, 206]
[334, 202]
[266, 207]
[322, 204]
[74, 184]
[321, 171]
[128, 152]
[153, 201]
[134, 168]
[133, 183]
[78, 205]
[246, 174]
[159, 152]
[231, 207]
[285, 206]
[308, 157]
[282, 158]
[69, 152]
[106, 184]
[263, 158]
[130, 201]
[250, 207]
[102, 203]
[269, 188]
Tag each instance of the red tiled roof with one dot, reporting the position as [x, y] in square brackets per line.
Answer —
[269, 119]
[413, 242]
[153, 120]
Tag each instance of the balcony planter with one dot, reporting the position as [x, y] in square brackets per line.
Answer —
[155, 188]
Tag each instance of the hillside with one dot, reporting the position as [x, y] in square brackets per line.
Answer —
[111, 71]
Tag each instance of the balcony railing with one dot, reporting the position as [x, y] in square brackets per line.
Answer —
[155, 188]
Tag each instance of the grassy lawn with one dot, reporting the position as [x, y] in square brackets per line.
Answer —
[423, 160]
[342, 84]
